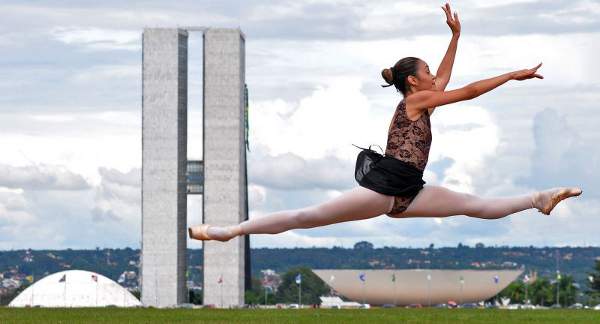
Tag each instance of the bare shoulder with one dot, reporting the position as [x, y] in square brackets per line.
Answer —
[430, 99]
[413, 110]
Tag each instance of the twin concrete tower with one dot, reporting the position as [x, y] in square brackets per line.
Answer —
[168, 176]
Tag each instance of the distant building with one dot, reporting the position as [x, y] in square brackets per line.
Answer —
[11, 283]
[75, 288]
[270, 279]
[337, 302]
[417, 286]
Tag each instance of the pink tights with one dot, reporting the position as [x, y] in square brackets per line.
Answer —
[362, 203]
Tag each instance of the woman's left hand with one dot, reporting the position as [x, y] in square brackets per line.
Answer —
[451, 20]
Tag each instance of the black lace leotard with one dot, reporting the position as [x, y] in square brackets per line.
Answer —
[408, 141]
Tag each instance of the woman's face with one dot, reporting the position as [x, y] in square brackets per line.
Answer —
[425, 80]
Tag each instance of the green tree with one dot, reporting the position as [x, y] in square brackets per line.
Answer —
[12, 294]
[363, 245]
[540, 292]
[515, 291]
[195, 296]
[593, 291]
[312, 287]
[567, 290]
[256, 295]
[137, 293]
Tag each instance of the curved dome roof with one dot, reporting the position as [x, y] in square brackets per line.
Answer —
[75, 288]
[417, 286]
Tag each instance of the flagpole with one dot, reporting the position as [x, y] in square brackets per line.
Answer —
[462, 283]
[557, 281]
[361, 276]
[429, 290]
[299, 282]
[65, 292]
[526, 282]
[557, 288]
[363, 290]
[300, 294]
[395, 291]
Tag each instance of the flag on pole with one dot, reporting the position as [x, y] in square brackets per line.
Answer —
[63, 279]
[220, 280]
[299, 278]
[361, 276]
[95, 278]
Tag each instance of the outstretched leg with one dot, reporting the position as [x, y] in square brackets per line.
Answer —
[436, 201]
[358, 203]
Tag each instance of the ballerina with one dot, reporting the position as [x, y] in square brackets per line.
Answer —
[409, 140]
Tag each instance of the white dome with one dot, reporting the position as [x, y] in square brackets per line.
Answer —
[78, 289]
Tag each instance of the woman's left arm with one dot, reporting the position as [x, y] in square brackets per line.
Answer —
[445, 69]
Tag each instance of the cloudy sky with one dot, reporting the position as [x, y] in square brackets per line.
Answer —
[70, 114]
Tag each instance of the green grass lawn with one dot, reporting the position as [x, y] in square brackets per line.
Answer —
[320, 316]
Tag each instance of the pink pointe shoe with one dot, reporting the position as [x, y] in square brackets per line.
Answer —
[546, 200]
[219, 233]
[199, 232]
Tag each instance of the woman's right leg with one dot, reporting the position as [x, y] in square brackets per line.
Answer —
[356, 204]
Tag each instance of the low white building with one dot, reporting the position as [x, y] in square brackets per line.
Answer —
[337, 302]
[10, 283]
[417, 286]
[75, 288]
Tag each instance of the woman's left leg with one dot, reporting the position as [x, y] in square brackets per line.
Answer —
[437, 201]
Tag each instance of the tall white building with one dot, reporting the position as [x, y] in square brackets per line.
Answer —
[166, 172]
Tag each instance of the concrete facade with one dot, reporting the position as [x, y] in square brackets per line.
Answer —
[164, 159]
[225, 192]
[164, 165]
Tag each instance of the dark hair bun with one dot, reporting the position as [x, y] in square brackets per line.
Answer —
[388, 76]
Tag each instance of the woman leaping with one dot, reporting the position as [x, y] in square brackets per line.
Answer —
[409, 140]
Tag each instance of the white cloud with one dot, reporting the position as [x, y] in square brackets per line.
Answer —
[118, 198]
[291, 172]
[328, 121]
[106, 73]
[466, 134]
[98, 38]
[41, 177]
[76, 109]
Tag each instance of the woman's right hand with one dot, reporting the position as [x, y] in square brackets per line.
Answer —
[527, 74]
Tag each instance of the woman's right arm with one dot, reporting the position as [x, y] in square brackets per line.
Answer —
[428, 98]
